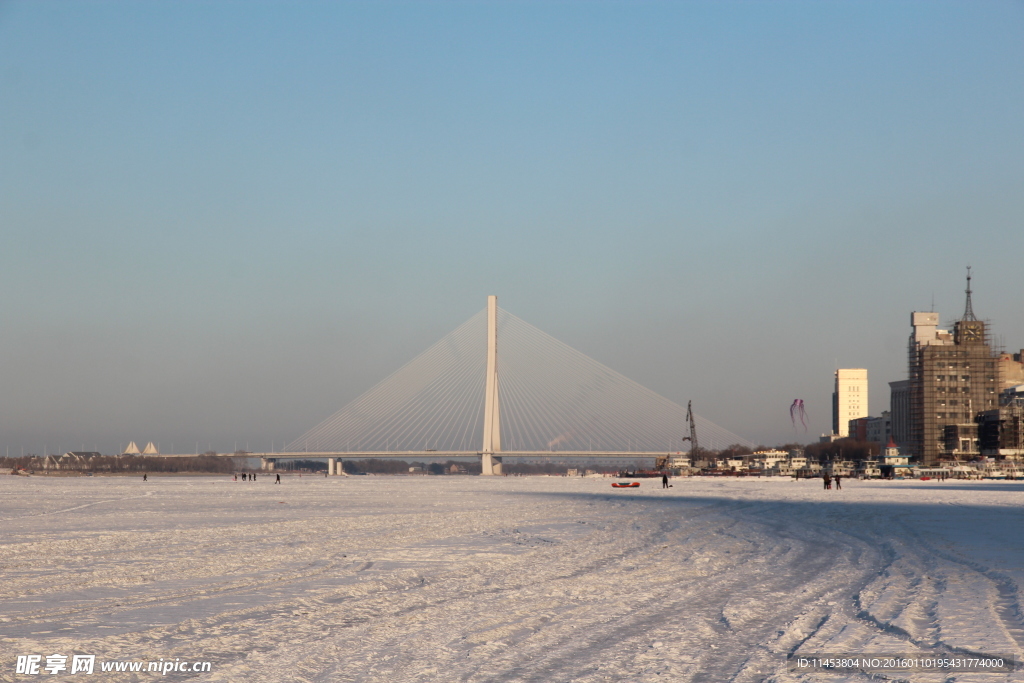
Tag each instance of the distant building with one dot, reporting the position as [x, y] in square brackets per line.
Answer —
[952, 378]
[1001, 432]
[899, 411]
[812, 468]
[797, 456]
[858, 429]
[75, 459]
[894, 463]
[1012, 396]
[960, 441]
[850, 399]
[868, 469]
[1010, 370]
[873, 429]
[766, 460]
[839, 468]
[879, 429]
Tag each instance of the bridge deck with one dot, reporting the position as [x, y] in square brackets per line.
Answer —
[315, 455]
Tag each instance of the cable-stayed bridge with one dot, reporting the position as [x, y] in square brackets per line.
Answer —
[498, 386]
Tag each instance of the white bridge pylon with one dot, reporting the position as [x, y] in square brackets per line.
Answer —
[552, 400]
[489, 463]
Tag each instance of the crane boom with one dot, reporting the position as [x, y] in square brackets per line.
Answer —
[692, 438]
[666, 460]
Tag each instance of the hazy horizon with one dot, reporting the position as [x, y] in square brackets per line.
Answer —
[223, 222]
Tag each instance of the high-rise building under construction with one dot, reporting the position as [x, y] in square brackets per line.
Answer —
[952, 377]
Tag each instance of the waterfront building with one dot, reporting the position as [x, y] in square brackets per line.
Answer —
[766, 460]
[879, 429]
[810, 469]
[1001, 431]
[849, 400]
[960, 441]
[840, 468]
[1012, 395]
[893, 462]
[871, 429]
[868, 469]
[952, 377]
[858, 429]
[1010, 370]
[899, 411]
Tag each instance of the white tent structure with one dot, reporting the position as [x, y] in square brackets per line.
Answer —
[150, 449]
[132, 449]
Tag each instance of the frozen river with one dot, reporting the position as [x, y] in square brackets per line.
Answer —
[507, 579]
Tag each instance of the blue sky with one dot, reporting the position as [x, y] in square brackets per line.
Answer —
[219, 222]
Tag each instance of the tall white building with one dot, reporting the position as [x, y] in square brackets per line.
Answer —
[850, 399]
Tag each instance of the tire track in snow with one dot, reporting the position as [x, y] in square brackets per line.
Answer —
[727, 586]
[77, 507]
[548, 653]
[1006, 606]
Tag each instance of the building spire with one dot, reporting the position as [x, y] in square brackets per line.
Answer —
[968, 309]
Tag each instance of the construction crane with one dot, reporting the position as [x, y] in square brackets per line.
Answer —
[692, 438]
[663, 460]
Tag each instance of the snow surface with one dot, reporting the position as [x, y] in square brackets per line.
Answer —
[508, 578]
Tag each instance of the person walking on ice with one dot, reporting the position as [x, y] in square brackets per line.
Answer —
[278, 481]
[664, 481]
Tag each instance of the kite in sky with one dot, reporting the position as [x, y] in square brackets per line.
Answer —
[797, 409]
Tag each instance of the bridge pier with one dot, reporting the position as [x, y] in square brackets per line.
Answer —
[330, 467]
[490, 464]
[267, 464]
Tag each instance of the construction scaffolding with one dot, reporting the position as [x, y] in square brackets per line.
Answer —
[1001, 432]
[952, 378]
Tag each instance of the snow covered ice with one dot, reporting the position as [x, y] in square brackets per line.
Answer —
[542, 579]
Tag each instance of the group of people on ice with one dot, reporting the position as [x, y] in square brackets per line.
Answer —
[251, 476]
[828, 482]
